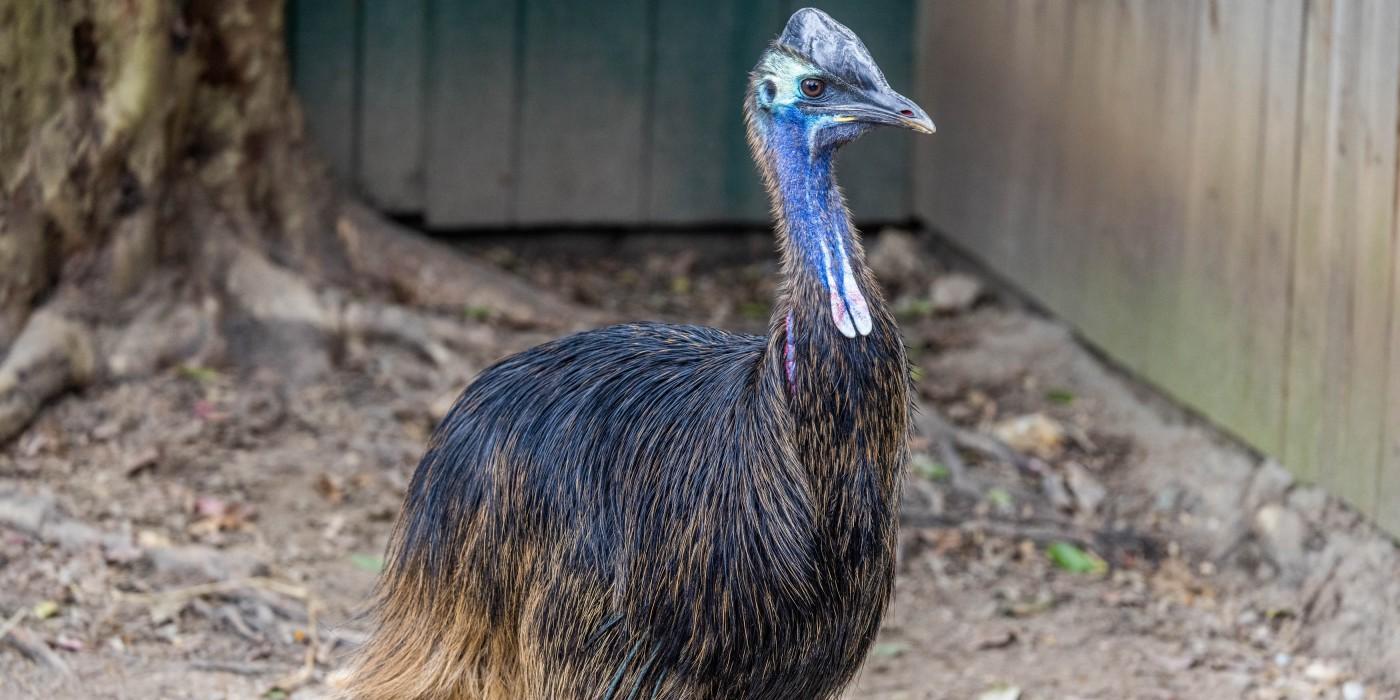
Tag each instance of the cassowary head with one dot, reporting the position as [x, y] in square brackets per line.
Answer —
[818, 86]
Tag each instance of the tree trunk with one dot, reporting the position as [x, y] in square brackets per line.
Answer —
[161, 204]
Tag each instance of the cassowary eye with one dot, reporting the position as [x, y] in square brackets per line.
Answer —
[812, 87]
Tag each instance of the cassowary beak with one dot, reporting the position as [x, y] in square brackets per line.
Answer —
[885, 107]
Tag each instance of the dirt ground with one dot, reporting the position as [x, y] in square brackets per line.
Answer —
[203, 535]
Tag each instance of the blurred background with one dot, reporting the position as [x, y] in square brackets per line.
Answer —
[251, 251]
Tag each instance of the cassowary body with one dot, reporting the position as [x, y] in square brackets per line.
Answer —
[657, 511]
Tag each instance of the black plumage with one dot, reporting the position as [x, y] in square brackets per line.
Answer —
[652, 510]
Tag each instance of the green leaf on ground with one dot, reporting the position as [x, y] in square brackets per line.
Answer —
[913, 309]
[888, 650]
[1075, 560]
[929, 468]
[1000, 498]
[199, 373]
[1064, 397]
[45, 609]
[367, 562]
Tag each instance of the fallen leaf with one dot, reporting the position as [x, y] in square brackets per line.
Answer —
[1075, 560]
[1034, 433]
[45, 609]
[1000, 498]
[367, 562]
[929, 468]
[477, 313]
[330, 489]
[203, 375]
[888, 650]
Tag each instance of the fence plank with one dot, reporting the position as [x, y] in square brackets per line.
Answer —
[1228, 328]
[323, 68]
[584, 112]
[699, 165]
[473, 86]
[391, 134]
[1388, 486]
[1155, 95]
[968, 96]
[1338, 345]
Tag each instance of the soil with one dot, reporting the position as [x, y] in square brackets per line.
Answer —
[201, 534]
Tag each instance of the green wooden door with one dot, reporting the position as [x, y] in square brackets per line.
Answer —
[489, 113]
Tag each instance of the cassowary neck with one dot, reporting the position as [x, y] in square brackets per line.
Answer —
[818, 242]
[833, 345]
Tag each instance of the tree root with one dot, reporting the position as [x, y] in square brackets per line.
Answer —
[181, 596]
[423, 273]
[947, 439]
[24, 641]
[53, 353]
[1114, 546]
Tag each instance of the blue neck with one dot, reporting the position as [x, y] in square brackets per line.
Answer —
[811, 204]
[819, 235]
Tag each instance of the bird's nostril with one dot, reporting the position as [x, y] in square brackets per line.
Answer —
[907, 112]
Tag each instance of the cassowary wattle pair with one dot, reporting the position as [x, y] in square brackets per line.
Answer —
[661, 511]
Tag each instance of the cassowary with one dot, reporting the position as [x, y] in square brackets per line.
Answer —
[662, 511]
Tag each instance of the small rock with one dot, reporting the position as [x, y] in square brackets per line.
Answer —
[25, 512]
[1320, 672]
[107, 430]
[121, 552]
[1352, 690]
[1269, 485]
[1088, 492]
[1282, 533]
[1035, 433]
[1005, 692]
[997, 639]
[141, 460]
[1308, 501]
[72, 534]
[896, 259]
[954, 292]
[1053, 486]
[205, 563]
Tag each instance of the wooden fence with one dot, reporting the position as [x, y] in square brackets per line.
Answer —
[1206, 189]
[533, 112]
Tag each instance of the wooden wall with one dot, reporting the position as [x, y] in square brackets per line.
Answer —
[535, 112]
[1206, 189]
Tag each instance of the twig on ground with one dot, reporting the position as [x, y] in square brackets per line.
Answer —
[198, 591]
[235, 667]
[307, 671]
[293, 680]
[23, 640]
[1042, 531]
[10, 623]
